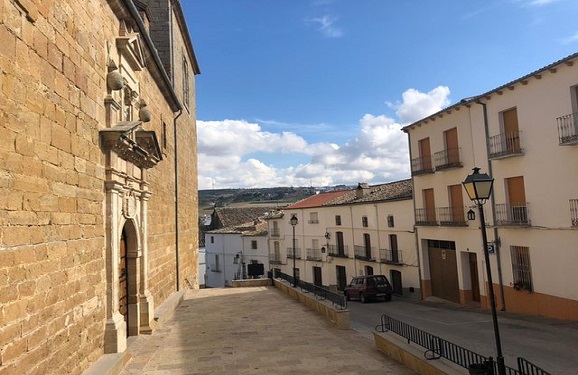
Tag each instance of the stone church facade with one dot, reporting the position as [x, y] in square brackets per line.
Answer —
[98, 176]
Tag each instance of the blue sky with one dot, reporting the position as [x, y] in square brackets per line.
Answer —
[315, 92]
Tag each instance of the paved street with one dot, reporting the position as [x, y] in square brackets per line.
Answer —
[548, 343]
[253, 331]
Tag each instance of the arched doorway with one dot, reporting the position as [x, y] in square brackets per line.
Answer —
[123, 279]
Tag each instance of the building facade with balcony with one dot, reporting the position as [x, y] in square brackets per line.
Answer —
[354, 232]
[523, 134]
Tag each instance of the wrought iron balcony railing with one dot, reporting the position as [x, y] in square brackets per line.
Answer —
[512, 214]
[451, 216]
[421, 165]
[425, 216]
[313, 254]
[339, 252]
[568, 129]
[313, 221]
[364, 253]
[275, 233]
[276, 259]
[574, 212]
[390, 256]
[297, 253]
[447, 159]
[505, 145]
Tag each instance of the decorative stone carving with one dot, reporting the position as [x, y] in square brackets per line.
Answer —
[131, 143]
[129, 205]
[144, 114]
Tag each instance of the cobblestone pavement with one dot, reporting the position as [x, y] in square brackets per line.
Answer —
[253, 331]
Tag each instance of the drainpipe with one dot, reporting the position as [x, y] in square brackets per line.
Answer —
[416, 237]
[177, 198]
[493, 204]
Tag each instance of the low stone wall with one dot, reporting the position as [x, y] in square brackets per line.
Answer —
[412, 356]
[251, 283]
[339, 318]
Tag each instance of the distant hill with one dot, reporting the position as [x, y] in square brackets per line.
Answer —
[270, 196]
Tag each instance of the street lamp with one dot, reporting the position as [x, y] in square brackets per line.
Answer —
[294, 222]
[479, 188]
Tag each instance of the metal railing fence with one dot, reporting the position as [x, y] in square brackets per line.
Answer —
[438, 348]
[320, 292]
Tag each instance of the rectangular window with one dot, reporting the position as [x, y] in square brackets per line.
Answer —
[212, 239]
[521, 268]
[186, 98]
[390, 222]
[253, 244]
[216, 266]
[364, 222]
[313, 218]
[337, 219]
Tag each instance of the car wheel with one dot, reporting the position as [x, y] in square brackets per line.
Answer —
[362, 298]
[387, 298]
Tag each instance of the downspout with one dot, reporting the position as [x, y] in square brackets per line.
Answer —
[177, 198]
[416, 237]
[493, 204]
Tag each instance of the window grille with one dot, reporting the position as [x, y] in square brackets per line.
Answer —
[521, 269]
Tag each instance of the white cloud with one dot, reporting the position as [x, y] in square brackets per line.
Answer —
[571, 39]
[327, 27]
[378, 153]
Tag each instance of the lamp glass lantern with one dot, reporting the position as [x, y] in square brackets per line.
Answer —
[293, 220]
[478, 186]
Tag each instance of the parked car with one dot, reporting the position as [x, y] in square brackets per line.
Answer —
[367, 288]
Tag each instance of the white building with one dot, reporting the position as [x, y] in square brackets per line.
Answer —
[339, 235]
[525, 135]
[236, 252]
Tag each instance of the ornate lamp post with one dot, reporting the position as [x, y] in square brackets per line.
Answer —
[294, 222]
[479, 188]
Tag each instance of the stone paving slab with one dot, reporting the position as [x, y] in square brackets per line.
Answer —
[258, 330]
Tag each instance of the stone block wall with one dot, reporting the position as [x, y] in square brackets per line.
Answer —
[52, 213]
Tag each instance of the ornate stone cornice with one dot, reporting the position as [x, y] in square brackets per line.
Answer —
[131, 143]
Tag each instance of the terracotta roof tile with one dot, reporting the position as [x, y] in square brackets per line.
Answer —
[318, 200]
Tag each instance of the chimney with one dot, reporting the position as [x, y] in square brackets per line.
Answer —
[362, 190]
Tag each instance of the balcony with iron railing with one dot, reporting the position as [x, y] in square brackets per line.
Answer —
[390, 256]
[568, 129]
[275, 232]
[574, 212]
[512, 214]
[447, 159]
[313, 221]
[421, 165]
[297, 253]
[425, 216]
[364, 253]
[452, 216]
[505, 145]
[276, 259]
[338, 252]
[313, 254]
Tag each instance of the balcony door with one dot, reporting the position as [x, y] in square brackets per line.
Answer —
[456, 203]
[367, 244]
[451, 138]
[425, 154]
[393, 247]
[517, 199]
[428, 197]
[511, 130]
[340, 246]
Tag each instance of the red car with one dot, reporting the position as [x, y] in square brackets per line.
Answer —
[367, 288]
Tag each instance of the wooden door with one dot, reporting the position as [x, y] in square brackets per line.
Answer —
[517, 199]
[457, 203]
[452, 147]
[341, 277]
[474, 277]
[430, 211]
[367, 243]
[425, 154]
[123, 279]
[395, 278]
[444, 271]
[317, 279]
[511, 130]
[340, 246]
[393, 247]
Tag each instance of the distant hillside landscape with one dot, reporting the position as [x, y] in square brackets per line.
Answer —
[280, 196]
